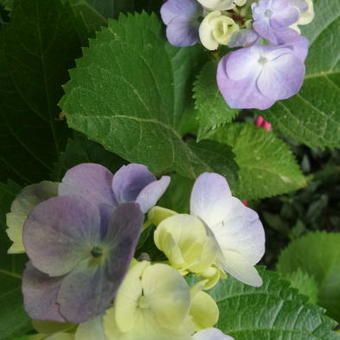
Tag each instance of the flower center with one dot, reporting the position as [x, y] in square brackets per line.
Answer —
[97, 252]
[263, 60]
[268, 13]
[143, 302]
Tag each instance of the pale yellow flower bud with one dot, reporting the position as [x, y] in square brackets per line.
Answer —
[217, 29]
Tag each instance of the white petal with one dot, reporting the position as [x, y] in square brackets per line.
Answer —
[240, 231]
[211, 334]
[209, 198]
[237, 266]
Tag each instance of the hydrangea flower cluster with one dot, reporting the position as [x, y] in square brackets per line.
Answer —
[269, 66]
[80, 236]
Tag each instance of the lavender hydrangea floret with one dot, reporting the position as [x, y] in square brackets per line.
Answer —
[78, 257]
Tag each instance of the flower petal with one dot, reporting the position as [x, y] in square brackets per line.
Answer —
[90, 181]
[243, 63]
[211, 334]
[237, 266]
[276, 82]
[204, 311]
[168, 295]
[182, 33]
[240, 231]
[59, 233]
[28, 198]
[242, 94]
[122, 236]
[173, 9]
[40, 295]
[151, 193]
[90, 288]
[209, 197]
[126, 301]
[129, 181]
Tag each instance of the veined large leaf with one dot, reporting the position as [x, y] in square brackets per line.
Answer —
[313, 116]
[266, 165]
[317, 254]
[128, 93]
[36, 49]
[212, 110]
[271, 312]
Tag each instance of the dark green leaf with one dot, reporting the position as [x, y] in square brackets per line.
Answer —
[273, 311]
[317, 254]
[36, 49]
[13, 319]
[80, 150]
[127, 93]
[212, 110]
[266, 165]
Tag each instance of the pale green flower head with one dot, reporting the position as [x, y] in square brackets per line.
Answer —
[153, 302]
[28, 198]
[185, 241]
[216, 29]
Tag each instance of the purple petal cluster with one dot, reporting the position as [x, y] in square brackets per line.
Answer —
[273, 18]
[131, 183]
[80, 244]
[78, 259]
[270, 66]
[258, 76]
[181, 18]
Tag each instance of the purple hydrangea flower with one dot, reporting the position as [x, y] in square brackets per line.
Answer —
[272, 19]
[257, 76]
[78, 258]
[181, 18]
[131, 183]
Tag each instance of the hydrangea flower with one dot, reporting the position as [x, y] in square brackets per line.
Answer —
[182, 20]
[78, 257]
[216, 29]
[211, 334]
[131, 183]
[187, 244]
[258, 76]
[237, 229]
[27, 199]
[154, 302]
[273, 18]
[219, 5]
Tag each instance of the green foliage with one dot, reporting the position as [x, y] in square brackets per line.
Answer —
[273, 311]
[177, 196]
[80, 150]
[128, 93]
[304, 283]
[111, 8]
[212, 110]
[36, 49]
[313, 116]
[14, 320]
[266, 165]
[318, 255]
